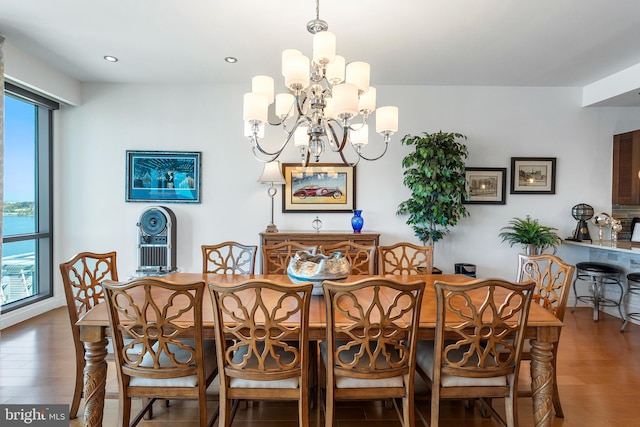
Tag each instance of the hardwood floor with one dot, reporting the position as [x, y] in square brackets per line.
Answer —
[598, 376]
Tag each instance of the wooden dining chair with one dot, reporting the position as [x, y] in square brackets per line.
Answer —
[478, 342]
[553, 280]
[82, 276]
[405, 258]
[160, 351]
[275, 258]
[262, 343]
[369, 353]
[229, 258]
[361, 257]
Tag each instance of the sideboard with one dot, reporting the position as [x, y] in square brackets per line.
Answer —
[320, 238]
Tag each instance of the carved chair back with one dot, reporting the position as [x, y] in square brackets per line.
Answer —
[275, 258]
[405, 258]
[361, 257]
[229, 258]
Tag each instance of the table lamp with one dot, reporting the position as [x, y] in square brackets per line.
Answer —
[271, 175]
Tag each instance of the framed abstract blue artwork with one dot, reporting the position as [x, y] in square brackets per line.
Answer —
[163, 176]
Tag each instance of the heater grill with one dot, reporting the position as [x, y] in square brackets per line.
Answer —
[157, 241]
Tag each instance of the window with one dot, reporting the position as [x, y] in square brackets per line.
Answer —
[27, 205]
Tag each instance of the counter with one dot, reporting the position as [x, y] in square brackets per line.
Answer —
[608, 245]
[623, 253]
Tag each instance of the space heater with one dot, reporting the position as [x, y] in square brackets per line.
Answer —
[156, 241]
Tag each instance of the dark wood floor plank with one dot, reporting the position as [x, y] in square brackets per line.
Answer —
[598, 376]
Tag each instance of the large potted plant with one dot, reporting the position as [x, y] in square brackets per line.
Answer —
[435, 174]
[534, 237]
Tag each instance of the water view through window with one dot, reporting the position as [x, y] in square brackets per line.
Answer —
[19, 248]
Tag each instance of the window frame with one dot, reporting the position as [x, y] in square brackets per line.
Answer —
[43, 236]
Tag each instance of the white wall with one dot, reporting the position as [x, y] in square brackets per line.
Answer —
[91, 140]
[500, 123]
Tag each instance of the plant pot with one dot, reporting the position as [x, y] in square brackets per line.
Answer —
[531, 250]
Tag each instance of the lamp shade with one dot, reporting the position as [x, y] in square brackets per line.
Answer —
[324, 47]
[360, 136]
[271, 174]
[285, 57]
[296, 72]
[256, 107]
[387, 119]
[367, 103]
[284, 104]
[263, 85]
[345, 100]
[336, 70]
[301, 136]
[358, 73]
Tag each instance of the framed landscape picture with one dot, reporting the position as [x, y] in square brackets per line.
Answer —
[533, 175]
[318, 188]
[486, 185]
[163, 176]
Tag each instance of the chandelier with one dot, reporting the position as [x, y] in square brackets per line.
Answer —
[329, 103]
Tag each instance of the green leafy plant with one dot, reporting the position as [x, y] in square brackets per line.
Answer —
[435, 174]
[530, 232]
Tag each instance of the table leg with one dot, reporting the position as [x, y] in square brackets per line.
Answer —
[95, 381]
[542, 382]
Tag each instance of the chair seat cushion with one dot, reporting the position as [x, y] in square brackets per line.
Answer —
[598, 267]
[180, 354]
[425, 358]
[349, 382]
[285, 357]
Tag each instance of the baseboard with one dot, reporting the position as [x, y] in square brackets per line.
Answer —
[25, 313]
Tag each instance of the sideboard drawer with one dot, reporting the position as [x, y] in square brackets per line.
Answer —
[322, 238]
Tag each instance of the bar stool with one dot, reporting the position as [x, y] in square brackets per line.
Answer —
[633, 287]
[598, 274]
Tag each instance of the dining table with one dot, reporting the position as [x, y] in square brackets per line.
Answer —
[543, 330]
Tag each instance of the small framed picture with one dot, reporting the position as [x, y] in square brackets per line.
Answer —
[163, 176]
[318, 188]
[533, 175]
[486, 185]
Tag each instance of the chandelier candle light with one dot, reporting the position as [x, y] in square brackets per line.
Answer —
[271, 175]
[326, 96]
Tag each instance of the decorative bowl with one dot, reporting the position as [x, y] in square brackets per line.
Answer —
[305, 267]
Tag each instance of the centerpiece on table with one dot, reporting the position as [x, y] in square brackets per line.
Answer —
[305, 267]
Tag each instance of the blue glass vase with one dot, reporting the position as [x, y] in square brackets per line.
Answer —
[356, 221]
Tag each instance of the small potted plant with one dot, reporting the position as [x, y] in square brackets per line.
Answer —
[534, 237]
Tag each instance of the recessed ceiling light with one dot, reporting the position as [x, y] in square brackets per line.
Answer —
[231, 59]
[110, 58]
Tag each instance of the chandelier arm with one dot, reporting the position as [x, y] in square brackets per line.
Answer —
[386, 145]
[339, 145]
[281, 122]
[256, 144]
[346, 162]
[300, 105]
[271, 153]
[260, 159]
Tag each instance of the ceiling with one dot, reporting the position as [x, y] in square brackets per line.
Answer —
[411, 42]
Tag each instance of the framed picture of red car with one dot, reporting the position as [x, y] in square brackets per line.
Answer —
[320, 187]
